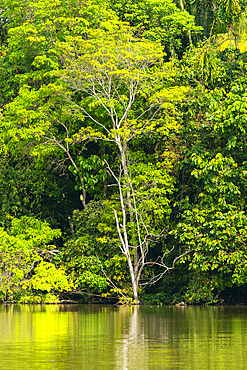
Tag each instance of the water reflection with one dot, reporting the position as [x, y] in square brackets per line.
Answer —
[123, 338]
[132, 348]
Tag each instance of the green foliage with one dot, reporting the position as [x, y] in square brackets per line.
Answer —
[205, 65]
[229, 116]
[91, 254]
[47, 277]
[170, 289]
[215, 229]
[23, 246]
[215, 16]
[31, 298]
[32, 189]
[86, 237]
[90, 172]
[204, 289]
[158, 20]
[69, 95]
[90, 99]
[236, 37]
[82, 249]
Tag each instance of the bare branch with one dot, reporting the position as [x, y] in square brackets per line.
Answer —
[111, 282]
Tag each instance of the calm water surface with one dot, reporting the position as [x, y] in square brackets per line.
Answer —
[122, 338]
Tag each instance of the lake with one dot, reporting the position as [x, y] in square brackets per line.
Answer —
[75, 337]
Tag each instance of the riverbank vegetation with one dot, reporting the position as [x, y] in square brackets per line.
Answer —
[123, 166]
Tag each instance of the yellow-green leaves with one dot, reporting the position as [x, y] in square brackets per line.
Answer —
[21, 247]
[236, 36]
[47, 277]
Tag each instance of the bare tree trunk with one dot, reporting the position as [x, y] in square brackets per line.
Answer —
[133, 278]
[123, 152]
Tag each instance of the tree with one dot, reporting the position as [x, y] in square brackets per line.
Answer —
[122, 77]
[112, 87]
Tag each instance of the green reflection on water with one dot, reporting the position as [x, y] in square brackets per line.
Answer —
[106, 337]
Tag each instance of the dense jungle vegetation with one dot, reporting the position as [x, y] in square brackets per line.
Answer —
[123, 161]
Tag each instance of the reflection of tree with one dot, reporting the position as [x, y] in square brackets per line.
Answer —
[33, 336]
[132, 348]
[122, 338]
